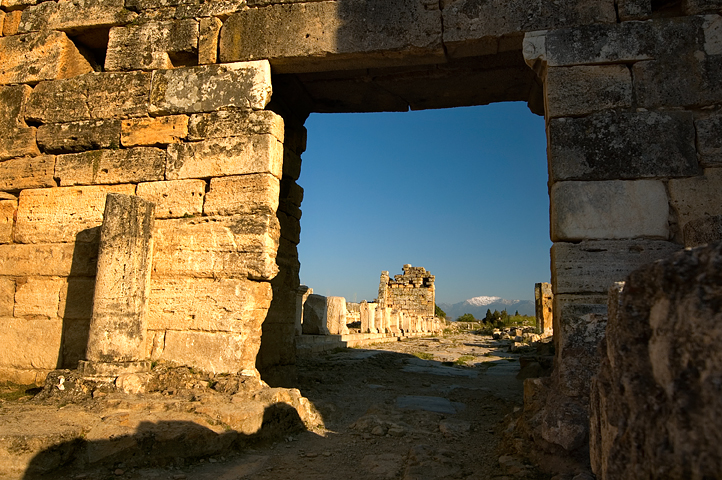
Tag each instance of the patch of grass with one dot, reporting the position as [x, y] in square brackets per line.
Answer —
[14, 391]
[424, 355]
[463, 359]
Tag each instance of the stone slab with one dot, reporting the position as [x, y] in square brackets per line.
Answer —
[27, 172]
[609, 210]
[34, 57]
[234, 123]
[68, 15]
[232, 247]
[211, 87]
[37, 297]
[580, 90]
[687, 81]
[616, 146]
[217, 352]
[210, 305]
[225, 156]
[19, 142]
[63, 214]
[79, 136]
[696, 197]
[153, 131]
[592, 266]
[242, 194]
[30, 343]
[49, 259]
[139, 164]
[334, 35]
[176, 198]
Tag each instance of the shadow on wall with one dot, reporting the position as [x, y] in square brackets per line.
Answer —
[157, 444]
[78, 301]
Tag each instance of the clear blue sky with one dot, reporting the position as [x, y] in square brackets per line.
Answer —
[461, 192]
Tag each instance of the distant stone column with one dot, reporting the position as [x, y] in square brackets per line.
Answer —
[301, 296]
[543, 301]
[336, 316]
[117, 337]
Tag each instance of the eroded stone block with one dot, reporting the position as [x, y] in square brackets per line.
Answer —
[12, 22]
[696, 197]
[332, 32]
[12, 106]
[18, 142]
[49, 259]
[152, 45]
[111, 166]
[232, 247]
[63, 214]
[609, 210]
[47, 55]
[314, 315]
[616, 145]
[206, 304]
[217, 352]
[37, 296]
[225, 156]
[74, 15]
[30, 343]
[233, 123]
[7, 296]
[243, 194]
[211, 87]
[154, 131]
[685, 81]
[593, 266]
[176, 198]
[210, 29]
[27, 172]
[574, 91]
[79, 136]
[8, 207]
[76, 300]
[709, 139]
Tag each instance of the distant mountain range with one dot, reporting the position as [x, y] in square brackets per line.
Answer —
[477, 306]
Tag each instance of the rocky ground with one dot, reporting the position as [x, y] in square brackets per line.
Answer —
[425, 408]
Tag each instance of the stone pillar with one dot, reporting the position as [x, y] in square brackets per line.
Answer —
[117, 337]
[543, 303]
[301, 296]
[368, 317]
[336, 316]
[315, 315]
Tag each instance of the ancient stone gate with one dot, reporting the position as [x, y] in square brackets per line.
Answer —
[199, 107]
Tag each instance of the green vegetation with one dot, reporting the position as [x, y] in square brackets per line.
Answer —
[467, 317]
[439, 312]
[13, 391]
[424, 355]
[462, 360]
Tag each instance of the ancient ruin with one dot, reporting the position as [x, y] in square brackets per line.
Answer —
[198, 107]
[543, 307]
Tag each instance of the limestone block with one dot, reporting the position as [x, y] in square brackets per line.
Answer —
[290, 228]
[217, 8]
[11, 22]
[685, 81]
[37, 297]
[243, 194]
[75, 339]
[153, 131]
[68, 15]
[574, 91]
[210, 29]
[152, 45]
[18, 142]
[211, 87]
[608, 210]
[30, 343]
[291, 164]
[696, 197]
[592, 266]
[79, 136]
[63, 214]
[218, 157]
[291, 198]
[709, 139]
[473, 20]
[12, 106]
[96, 95]
[233, 123]
[615, 145]
[206, 304]
[336, 315]
[315, 315]
[111, 166]
[76, 300]
[591, 44]
[2, 22]
[702, 231]
[7, 296]
[122, 283]
[49, 259]
[349, 34]
[650, 415]
[16, 4]
[27, 172]
[231, 247]
[8, 207]
[698, 7]
[47, 55]
[634, 9]
[216, 352]
[176, 198]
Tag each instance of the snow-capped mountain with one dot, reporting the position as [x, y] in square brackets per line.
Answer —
[477, 306]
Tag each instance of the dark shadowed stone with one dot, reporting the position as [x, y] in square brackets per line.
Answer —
[703, 231]
[616, 146]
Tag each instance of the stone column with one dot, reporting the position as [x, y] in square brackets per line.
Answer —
[117, 337]
[543, 302]
[301, 296]
[336, 315]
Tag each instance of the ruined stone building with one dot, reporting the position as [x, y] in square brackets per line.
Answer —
[197, 106]
[412, 292]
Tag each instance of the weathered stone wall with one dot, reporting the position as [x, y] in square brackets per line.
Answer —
[412, 292]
